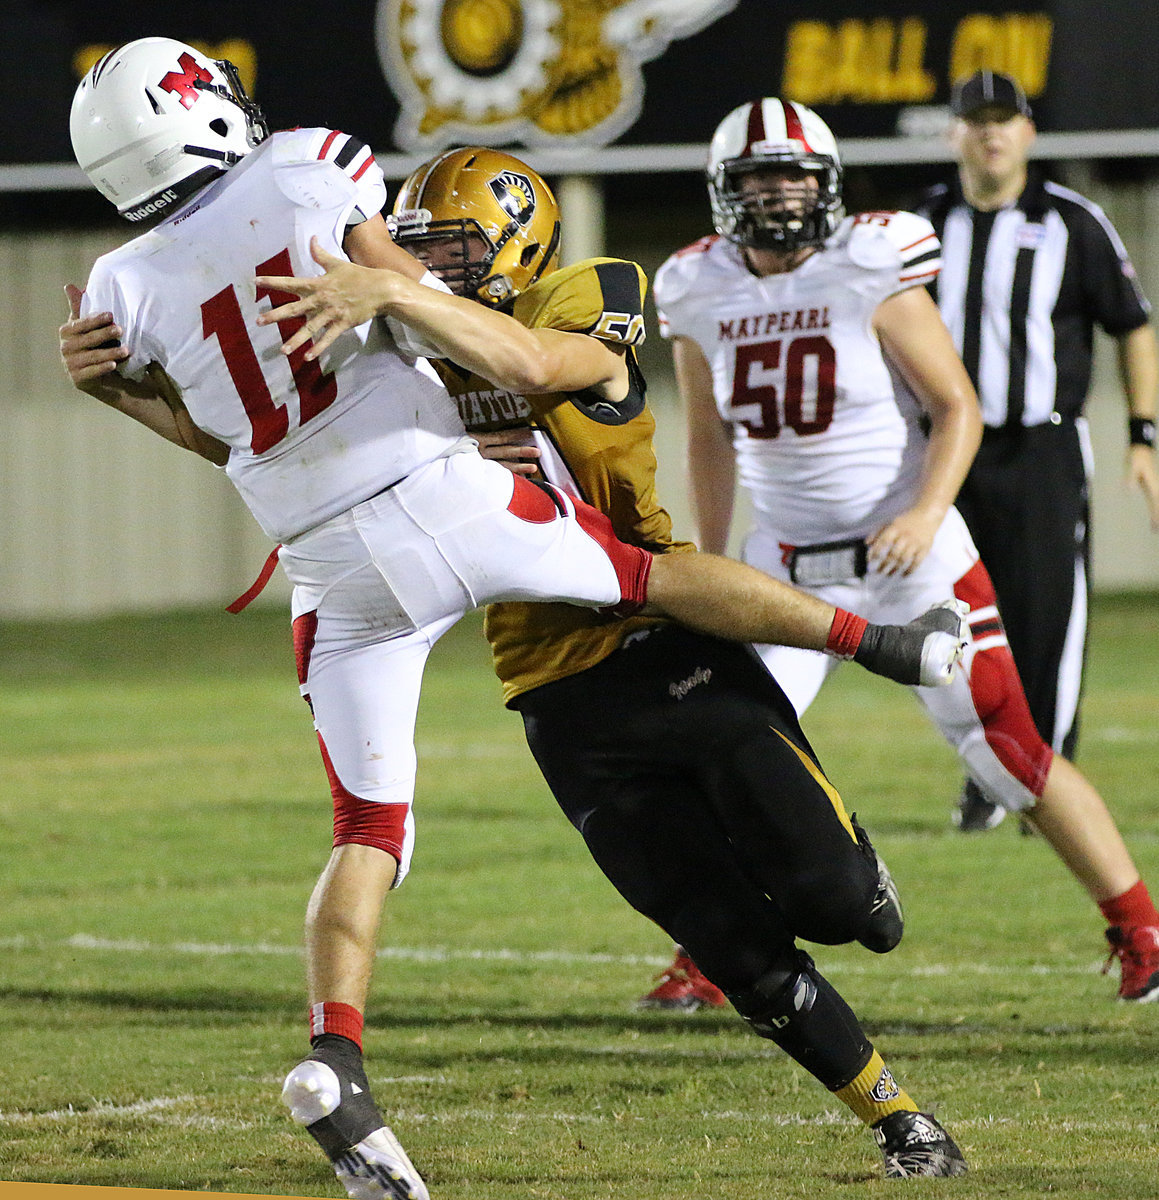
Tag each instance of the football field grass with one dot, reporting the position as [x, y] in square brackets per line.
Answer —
[163, 817]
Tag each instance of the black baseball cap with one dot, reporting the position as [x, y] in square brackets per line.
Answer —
[988, 89]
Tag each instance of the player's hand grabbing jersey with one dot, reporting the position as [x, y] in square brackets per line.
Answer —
[827, 438]
[305, 443]
[595, 450]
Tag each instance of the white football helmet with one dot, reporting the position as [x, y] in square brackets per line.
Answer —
[772, 133]
[155, 120]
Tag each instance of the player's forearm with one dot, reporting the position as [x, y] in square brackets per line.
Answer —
[955, 435]
[138, 401]
[712, 480]
[712, 507]
[488, 343]
[156, 415]
[1139, 371]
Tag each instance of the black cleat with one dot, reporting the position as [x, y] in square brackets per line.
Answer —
[914, 1144]
[976, 814]
[330, 1095]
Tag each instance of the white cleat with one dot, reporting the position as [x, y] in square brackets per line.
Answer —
[376, 1167]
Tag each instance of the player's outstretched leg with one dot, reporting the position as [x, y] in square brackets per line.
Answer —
[923, 653]
[914, 1144]
[329, 1094]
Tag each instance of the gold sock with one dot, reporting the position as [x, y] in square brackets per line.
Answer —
[874, 1094]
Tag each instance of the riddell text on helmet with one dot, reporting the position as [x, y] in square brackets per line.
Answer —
[155, 205]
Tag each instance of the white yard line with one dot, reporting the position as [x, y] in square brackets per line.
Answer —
[87, 941]
[161, 1109]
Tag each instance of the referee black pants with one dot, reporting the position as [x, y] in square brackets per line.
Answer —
[682, 764]
[1026, 504]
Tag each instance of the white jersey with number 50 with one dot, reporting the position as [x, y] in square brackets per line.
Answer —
[827, 436]
[307, 439]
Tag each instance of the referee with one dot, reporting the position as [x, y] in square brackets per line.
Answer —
[1028, 269]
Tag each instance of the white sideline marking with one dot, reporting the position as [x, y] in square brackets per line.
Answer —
[87, 941]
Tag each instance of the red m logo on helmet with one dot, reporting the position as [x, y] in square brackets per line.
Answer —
[184, 84]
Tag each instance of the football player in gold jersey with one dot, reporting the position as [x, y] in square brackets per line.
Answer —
[675, 754]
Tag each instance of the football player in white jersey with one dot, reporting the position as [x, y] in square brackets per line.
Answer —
[815, 367]
[392, 525]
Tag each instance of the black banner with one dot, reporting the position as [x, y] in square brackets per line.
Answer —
[416, 75]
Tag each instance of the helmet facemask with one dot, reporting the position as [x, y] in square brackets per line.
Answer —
[778, 217]
[234, 93]
[460, 253]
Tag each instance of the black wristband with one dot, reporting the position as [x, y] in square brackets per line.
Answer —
[1142, 430]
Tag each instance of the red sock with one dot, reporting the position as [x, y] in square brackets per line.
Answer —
[845, 634]
[332, 1017]
[1133, 907]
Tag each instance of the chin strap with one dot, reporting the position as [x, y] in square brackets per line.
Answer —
[226, 157]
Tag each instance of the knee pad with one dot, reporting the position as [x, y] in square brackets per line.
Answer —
[386, 827]
[793, 1005]
[786, 989]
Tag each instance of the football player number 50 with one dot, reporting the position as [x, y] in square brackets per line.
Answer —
[221, 317]
[809, 375]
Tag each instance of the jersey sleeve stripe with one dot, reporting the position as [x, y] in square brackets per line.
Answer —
[920, 242]
[327, 143]
[926, 276]
[918, 259]
[349, 152]
[367, 162]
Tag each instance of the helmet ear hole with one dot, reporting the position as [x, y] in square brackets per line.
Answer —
[528, 255]
[153, 101]
[219, 126]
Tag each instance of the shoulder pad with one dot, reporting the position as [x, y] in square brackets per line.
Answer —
[680, 271]
[900, 241]
[322, 168]
[603, 297]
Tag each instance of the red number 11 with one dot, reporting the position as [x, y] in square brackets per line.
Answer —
[221, 317]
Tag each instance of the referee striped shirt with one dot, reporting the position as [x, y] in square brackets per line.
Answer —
[1021, 290]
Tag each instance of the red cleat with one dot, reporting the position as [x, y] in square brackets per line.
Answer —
[1137, 949]
[683, 988]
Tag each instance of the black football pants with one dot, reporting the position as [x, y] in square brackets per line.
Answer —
[682, 764]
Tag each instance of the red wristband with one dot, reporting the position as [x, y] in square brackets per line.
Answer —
[845, 634]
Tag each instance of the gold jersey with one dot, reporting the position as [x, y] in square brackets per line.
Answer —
[591, 448]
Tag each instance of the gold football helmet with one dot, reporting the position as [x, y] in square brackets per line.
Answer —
[482, 220]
